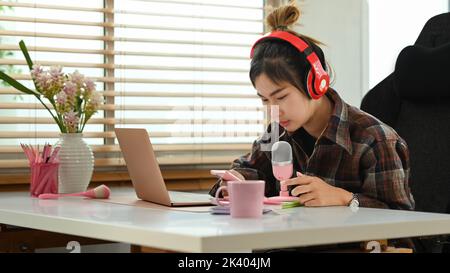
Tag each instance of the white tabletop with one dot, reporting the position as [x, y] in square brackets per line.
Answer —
[203, 232]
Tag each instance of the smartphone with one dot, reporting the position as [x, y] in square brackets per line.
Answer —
[225, 174]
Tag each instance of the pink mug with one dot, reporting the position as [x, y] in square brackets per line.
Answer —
[245, 198]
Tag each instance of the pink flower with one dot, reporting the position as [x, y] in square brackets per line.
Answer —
[61, 98]
[56, 72]
[70, 89]
[71, 117]
[36, 71]
[76, 78]
[64, 91]
[72, 121]
[90, 85]
[43, 80]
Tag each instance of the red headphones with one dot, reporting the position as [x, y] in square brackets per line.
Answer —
[317, 83]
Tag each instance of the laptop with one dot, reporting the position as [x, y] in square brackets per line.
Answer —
[145, 173]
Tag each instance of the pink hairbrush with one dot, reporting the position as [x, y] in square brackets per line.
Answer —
[100, 192]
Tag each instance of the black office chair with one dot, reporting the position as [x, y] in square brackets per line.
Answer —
[436, 32]
[415, 100]
[421, 78]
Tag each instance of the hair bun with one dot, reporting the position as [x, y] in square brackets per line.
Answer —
[283, 17]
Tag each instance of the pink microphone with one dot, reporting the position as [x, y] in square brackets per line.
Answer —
[282, 168]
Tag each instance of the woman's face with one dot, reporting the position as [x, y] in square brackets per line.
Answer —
[295, 108]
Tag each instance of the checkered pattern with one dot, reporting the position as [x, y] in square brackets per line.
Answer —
[356, 152]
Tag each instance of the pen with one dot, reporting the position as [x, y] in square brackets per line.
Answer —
[54, 154]
[44, 153]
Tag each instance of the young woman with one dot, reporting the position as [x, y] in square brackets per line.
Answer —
[346, 156]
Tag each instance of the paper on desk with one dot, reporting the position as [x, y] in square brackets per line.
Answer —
[131, 200]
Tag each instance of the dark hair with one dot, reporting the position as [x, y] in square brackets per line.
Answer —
[280, 60]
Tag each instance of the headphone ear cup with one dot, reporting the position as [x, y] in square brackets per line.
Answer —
[310, 84]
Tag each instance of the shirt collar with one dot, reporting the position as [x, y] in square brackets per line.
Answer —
[337, 130]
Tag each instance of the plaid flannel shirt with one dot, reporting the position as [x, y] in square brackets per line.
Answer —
[356, 152]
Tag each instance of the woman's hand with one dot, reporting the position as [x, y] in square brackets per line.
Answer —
[314, 192]
[237, 174]
[223, 181]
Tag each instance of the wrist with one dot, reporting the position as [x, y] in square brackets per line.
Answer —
[346, 197]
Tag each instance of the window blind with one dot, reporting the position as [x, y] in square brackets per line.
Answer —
[177, 68]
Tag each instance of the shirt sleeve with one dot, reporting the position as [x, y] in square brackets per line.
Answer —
[386, 176]
[253, 166]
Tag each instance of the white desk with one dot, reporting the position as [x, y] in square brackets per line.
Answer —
[203, 232]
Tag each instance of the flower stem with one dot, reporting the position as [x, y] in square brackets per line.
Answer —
[53, 116]
[60, 122]
[83, 116]
[84, 122]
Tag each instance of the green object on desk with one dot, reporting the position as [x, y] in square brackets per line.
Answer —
[292, 204]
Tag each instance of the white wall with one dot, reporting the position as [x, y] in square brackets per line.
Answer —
[393, 25]
[364, 37]
[342, 26]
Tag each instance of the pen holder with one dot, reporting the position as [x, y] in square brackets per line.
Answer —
[44, 178]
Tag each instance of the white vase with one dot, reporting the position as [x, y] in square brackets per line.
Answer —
[76, 163]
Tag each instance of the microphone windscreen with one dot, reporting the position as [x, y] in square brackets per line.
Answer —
[281, 152]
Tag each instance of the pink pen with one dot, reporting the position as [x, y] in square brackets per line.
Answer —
[50, 182]
[44, 152]
[27, 153]
[41, 181]
[54, 154]
[48, 149]
[30, 153]
[33, 155]
[33, 152]
[37, 158]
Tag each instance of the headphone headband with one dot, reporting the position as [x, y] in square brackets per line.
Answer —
[318, 82]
